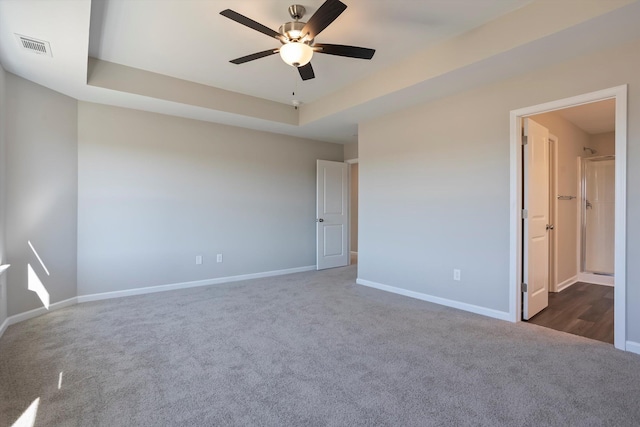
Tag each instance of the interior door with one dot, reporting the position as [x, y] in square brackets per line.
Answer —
[332, 215]
[536, 221]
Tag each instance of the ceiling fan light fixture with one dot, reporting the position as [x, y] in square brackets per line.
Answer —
[296, 54]
[298, 37]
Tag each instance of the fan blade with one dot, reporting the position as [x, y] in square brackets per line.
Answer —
[306, 72]
[253, 56]
[241, 19]
[342, 50]
[325, 15]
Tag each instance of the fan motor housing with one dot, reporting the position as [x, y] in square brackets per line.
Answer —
[293, 31]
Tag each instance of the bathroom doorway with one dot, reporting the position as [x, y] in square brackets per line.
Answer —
[353, 210]
[576, 287]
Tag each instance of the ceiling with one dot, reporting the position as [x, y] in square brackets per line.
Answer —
[593, 118]
[190, 40]
[172, 56]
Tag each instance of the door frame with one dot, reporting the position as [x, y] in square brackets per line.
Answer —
[619, 93]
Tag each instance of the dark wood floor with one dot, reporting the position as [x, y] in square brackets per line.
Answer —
[582, 309]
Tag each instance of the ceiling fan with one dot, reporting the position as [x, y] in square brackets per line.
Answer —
[298, 37]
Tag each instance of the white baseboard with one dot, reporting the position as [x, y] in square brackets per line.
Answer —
[502, 315]
[21, 317]
[633, 347]
[193, 284]
[596, 279]
[4, 326]
[139, 291]
[565, 284]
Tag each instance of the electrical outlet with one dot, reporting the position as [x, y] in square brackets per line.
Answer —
[198, 259]
[219, 258]
[456, 274]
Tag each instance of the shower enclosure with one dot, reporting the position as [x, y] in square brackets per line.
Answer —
[598, 213]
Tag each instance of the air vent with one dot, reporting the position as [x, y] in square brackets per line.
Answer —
[40, 47]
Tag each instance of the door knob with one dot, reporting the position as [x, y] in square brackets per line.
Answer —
[549, 226]
[321, 220]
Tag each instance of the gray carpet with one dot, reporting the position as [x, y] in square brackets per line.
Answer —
[306, 349]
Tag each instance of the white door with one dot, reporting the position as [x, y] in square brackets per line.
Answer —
[332, 215]
[536, 223]
[553, 167]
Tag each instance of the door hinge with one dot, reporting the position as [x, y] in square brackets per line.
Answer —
[525, 213]
[525, 140]
[524, 287]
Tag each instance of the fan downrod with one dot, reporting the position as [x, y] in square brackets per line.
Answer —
[296, 11]
[293, 30]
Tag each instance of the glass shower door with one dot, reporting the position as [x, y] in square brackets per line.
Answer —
[598, 215]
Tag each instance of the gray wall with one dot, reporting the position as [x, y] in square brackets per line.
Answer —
[41, 192]
[438, 197]
[603, 143]
[155, 191]
[351, 151]
[3, 165]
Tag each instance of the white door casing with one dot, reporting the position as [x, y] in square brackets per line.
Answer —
[332, 214]
[619, 93]
[536, 223]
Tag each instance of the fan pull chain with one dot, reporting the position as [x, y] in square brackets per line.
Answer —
[294, 101]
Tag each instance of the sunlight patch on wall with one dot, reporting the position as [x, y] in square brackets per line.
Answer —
[39, 259]
[33, 281]
[35, 284]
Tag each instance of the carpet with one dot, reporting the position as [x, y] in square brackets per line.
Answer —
[307, 349]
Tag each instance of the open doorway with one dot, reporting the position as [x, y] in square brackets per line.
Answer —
[581, 221]
[527, 280]
[353, 211]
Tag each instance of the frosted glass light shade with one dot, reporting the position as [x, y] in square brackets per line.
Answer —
[296, 54]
